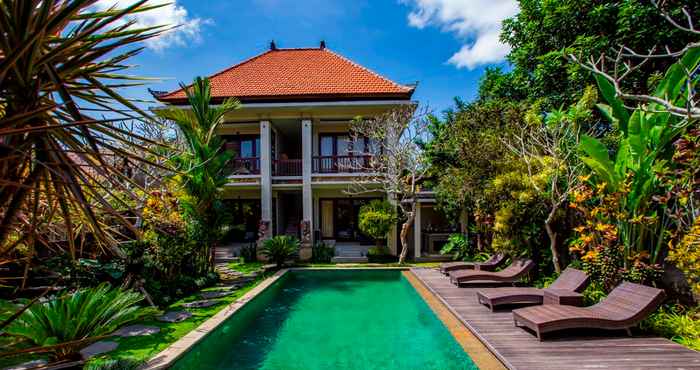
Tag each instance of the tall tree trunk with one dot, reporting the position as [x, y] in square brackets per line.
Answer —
[553, 240]
[405, 230]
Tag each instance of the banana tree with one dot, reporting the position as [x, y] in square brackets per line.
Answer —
[644, 151]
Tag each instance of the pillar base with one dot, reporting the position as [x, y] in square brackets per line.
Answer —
[264, 233]
[305, 253]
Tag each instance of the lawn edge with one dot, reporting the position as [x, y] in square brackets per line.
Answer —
[172, 353]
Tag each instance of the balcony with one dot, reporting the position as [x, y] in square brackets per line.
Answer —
[342, 164]
[246, 166]
[286, 167]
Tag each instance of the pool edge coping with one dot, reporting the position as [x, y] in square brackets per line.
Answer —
[167, 357]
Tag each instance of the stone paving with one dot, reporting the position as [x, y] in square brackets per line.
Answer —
[98, 348]
[201, 304]
[136, 331]
[175, 316]
[216, 294]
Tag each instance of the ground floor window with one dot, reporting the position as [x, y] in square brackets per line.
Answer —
[340, 219]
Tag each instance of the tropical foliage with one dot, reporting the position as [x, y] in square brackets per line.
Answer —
[280, 248]
[459, 246]
[66, 323]
[61, 66]
[531, 159]
[203, 165]
[376, 219]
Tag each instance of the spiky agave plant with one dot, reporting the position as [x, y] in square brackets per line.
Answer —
[61, 115]
[66, 323]
[280, 248]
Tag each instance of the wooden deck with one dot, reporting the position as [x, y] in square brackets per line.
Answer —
[519, 349]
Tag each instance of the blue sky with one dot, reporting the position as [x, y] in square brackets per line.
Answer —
[406, 41]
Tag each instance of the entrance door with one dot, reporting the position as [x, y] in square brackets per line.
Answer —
[345, 219]
[327, 219]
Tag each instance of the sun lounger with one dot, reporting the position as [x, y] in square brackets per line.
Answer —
[571, 281]
[489, 265]
[625, 306]
[511, 274]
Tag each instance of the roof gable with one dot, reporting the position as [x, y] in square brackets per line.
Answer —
[305, 74]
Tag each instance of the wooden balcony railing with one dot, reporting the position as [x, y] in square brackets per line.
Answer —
[246, 166]
[342, 164]
[286, 167]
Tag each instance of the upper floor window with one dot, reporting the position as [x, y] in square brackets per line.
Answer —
[244, 146]
[342, 145]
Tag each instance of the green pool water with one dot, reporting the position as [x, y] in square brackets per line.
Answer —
[351, 319]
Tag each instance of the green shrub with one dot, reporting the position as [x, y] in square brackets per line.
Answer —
[376, 219]
[322, 253]
[71, 321]
[677, 323]
[249, 253]
[458, 246]
[280, 248]
[380, 254]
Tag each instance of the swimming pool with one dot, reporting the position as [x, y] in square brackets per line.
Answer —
[331, 319]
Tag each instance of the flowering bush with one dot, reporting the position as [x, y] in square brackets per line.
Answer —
[682, 189]
[598, 243]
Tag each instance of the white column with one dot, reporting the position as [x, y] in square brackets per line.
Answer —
[266, 172]
[417, 233]
[307, 223]
[306, 159]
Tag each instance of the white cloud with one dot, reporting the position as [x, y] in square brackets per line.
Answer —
[478, 22]
[188, 28]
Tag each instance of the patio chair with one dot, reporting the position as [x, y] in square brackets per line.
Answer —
[625, 307]
[489, 265]
[511, 274]
[571, 281]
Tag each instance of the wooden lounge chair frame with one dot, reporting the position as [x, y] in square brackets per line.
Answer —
[489, 265]
[624, 308]
[511, 274]
[571, 280]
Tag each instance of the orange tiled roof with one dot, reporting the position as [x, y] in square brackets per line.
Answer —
[310, 73]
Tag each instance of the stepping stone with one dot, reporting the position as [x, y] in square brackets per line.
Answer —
[136, 331]
[27, 365]
[201, 304]
[175, 316]
[98, 348]
[226, 288]
[215, 294]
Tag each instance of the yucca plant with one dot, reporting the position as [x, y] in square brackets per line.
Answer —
[62, 116]
[203, 165]
[66, 323]
[280, 248]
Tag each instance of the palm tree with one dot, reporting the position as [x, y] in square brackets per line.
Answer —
[204, 165]
[61, 68]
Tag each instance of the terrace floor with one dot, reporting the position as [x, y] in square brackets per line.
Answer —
[519, 349]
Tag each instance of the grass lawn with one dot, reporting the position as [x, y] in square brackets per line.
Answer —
[142, 348]
[246, 267]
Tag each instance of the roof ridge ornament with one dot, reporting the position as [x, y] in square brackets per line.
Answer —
[273, 46]
[323, 44]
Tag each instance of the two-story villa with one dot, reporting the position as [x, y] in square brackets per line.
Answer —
[294, 158]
